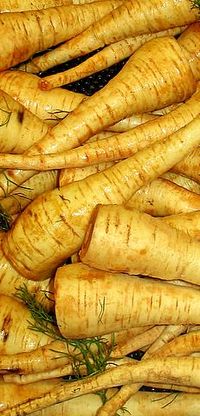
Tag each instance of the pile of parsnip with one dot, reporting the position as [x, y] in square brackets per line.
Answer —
[100, 209]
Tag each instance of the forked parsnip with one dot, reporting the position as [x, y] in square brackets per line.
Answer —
[17, 200]
[174, 370]
[49, 106]
[15, 335]
[124, 240]
[19, 128]
[105, 58]
[128, 20]
[24, 34]
[63, 214]
[162, 197]
[116, 299]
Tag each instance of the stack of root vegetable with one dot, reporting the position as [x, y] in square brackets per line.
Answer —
[110, 183]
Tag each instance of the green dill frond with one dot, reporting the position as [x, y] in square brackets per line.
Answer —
[90, 354]
[5, 220]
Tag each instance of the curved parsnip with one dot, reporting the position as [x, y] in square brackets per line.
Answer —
[105, 58]
[23, 34]
[128, 20]
[76, 174]
[15, 335]
[162, 197]
[124, 240]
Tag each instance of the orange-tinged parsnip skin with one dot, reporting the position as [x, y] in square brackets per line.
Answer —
[125, 240]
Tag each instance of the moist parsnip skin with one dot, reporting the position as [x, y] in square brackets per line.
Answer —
[23, 34]
[124, 240]
[91, 301]
[52, 227]
[128, 20]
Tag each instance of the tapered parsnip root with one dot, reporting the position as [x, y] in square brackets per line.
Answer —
[76, 174]
[22, 34]
[20, 5]
[180, 371]
[64, 213]
[162, 197]
[16, 336]
[124, 240]
[107, 57]
[128, 20]
[116, 313]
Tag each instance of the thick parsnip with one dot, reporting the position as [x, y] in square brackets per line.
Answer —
[187, 222]
[125, 240]
[128, 20]
[110, 306]
[23, 34]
